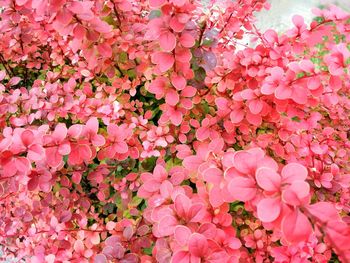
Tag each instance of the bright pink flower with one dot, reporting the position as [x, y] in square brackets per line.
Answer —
[289, 187]
[337, 59]
[90, 132]
[29, 141]
[161, 88]
[196, 244]
[56, 145]
[116, 141]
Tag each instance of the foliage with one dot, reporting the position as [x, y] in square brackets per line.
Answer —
[137, 131]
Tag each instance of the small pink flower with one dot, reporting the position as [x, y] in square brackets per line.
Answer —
[56, 145]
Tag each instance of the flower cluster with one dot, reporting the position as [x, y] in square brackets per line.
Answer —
[137, 131]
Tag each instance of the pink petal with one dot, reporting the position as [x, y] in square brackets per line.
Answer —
[64, 149]
[256, 106]
[115, 132]
[254, 119]
[296, 227]
[182, 235]
[306, 65]
[105, 50]
[183, 55]
[213, 175]
[195, 213]
[267, 89]
[313, 83]
[160, 173]
[178, 81]
[268, 179]
[179, 3]
[202, 133]
[92, 125]
[182, 205]
[151, 186]
[192, 162]
[299, 95]
[188, 92]
[35, 152]
[176, 118]
[298, 20]
[215, 196]
[75, 131]
[167, 225]
[293, 172]
[22, 164]
[187, 40]
[120, 147]
[158, 87]
[245, 162]
[100, 26]
[27, 137]
[180, 257]
[323, 211]
[269, 209]
[60, 132]
[242, 188]
[283, 92]
[156, 3]
[100, 258]
[198, 245]
[164, 60]
[237, 116]
[21, 2]
[166, 189]
[167, 41]
[172, 97]
[297, 193]
[98, 140]
[53, 157]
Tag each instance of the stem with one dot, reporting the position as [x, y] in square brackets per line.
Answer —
[25, 65]
[304, 77]
[4, 63]
[201, 34]
[228, 20]
[117, 16]
[174, 60]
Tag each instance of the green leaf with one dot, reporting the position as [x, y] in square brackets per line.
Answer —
[296, 119]
[235, 206]
[126, 214]
[207, 42]
[319, 19]
[118, 202]
[136, 201]
[154, 14]
[123, 57]
[200, 74]
[149, 163]
[148, 250]
[300, 75]
[131, 73]
[347, 62]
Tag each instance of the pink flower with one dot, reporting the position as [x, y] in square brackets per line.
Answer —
[30, 142]
[242, 185]
[161, 88]
[56, 145]
[289, 187]
[90, 132]
[116, 143]
[337, 59]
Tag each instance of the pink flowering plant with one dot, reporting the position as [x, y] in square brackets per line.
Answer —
[145, 131]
